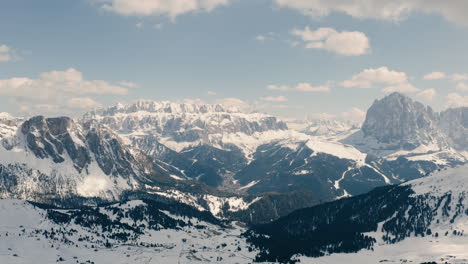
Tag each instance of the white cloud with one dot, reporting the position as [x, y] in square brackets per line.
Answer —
[139, 25]
[234, 102]
[435, 76]
[260, 38]
[301, 87]
[51, 92]
[427, 95]
[171, 8]
[157, 26]
[401, 88]
[128, 84]
[344, 43]
[394, 10]
[6, 53]
[459, 77]
[264, 37]
[462, 86]
[212, 93]
[354, 115]
[370, 77]
[274, 98]
[456, 100]
[82, 103]
[278, 87]
[307, 87]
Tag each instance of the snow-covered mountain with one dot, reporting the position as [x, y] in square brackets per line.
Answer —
[256, 153]
[174, 149]
[396, 125]
[214, 139]
[54, 158]
[422, 221]
[329, 128]
[454, 123]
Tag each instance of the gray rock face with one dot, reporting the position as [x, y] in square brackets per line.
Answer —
[71, 158]
[454, 123]
[402, 122]
[54, 138]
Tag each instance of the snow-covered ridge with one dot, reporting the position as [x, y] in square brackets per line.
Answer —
[451, 180]
[57, 157]
[167, 107]
[182, 121]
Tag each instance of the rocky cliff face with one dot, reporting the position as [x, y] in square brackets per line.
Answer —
[59, 157]
[398, 125]
[454, 123]
[402, 122]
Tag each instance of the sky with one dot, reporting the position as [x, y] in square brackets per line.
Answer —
[291, 58]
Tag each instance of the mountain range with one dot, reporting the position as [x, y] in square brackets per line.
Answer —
[154, 168]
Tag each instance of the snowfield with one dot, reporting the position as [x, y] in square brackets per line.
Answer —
[27, 236]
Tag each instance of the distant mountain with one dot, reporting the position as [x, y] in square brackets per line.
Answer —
[209, 137]
[376, 226]
[398, 125]
[329, 128]
[454, 124]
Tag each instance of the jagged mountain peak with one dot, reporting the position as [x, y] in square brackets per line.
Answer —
[168, 107]
[398, 118]
[170, 119]
[398, 123]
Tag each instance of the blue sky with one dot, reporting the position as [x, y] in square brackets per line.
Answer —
[68, 56]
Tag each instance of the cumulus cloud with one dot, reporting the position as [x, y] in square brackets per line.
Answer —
[274, 98]
[392, 80]
[435, 76]
[275, 87]
[128, 84]
[82, 103]
[343, 43]
[234, 102]
[171, 8]
[301, 87]
[212, 93]
[462, 86]
[457, 100]
[56, 91]
[459, 77]
[401, 88]
[307, 87]
[369, 77]
[6, 53]
[394, 10]
[427, 95]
